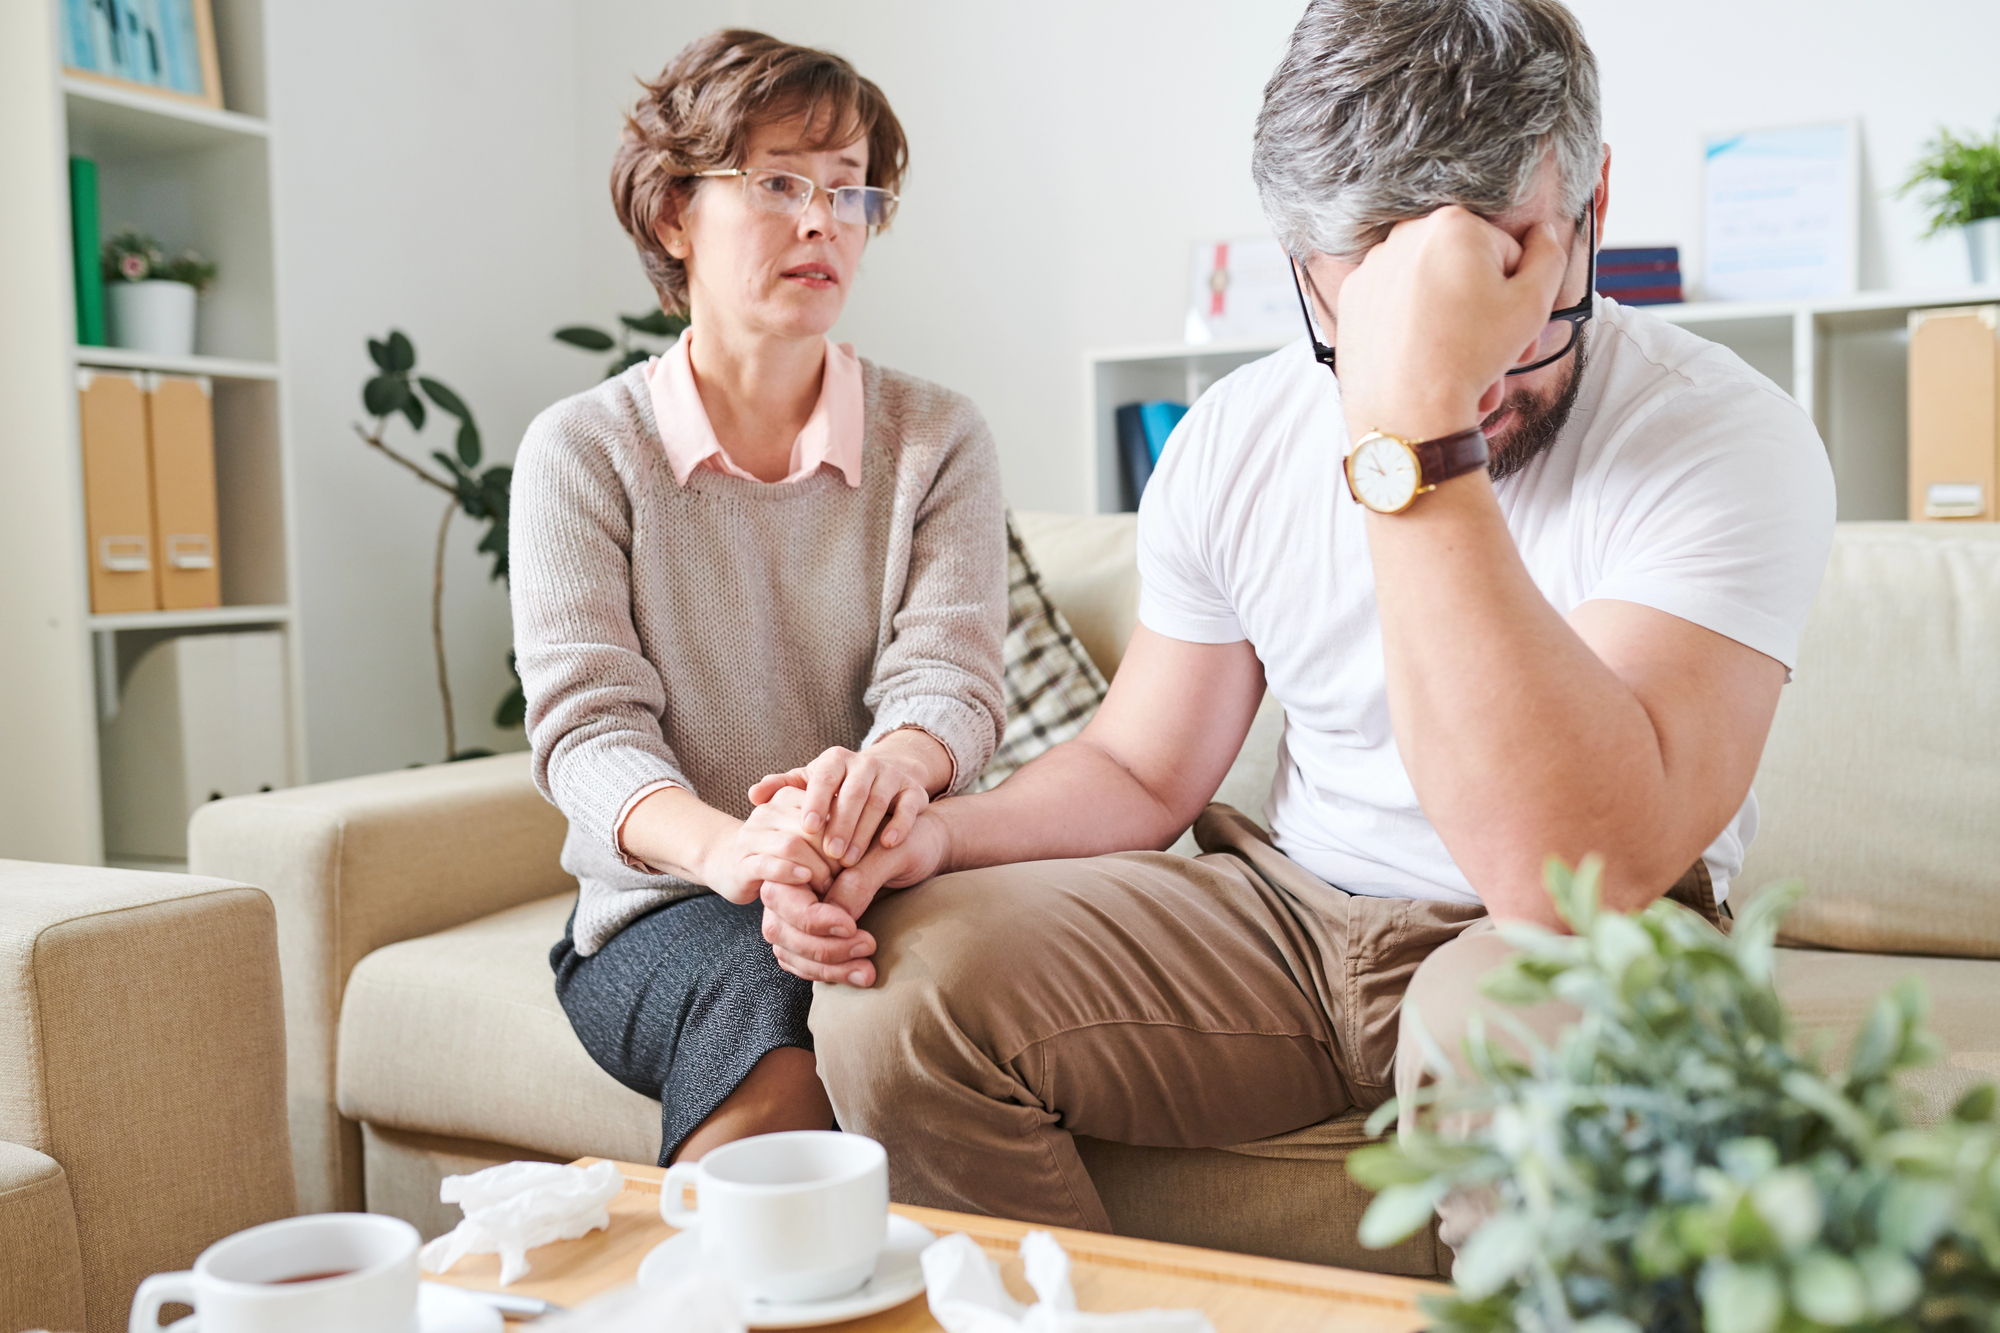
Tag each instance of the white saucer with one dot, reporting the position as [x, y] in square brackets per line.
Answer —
[440, 1309]
[898, 1276]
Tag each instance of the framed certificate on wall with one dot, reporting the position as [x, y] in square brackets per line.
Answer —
[1781, 213]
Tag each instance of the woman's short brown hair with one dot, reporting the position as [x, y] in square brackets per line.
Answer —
[698, 114]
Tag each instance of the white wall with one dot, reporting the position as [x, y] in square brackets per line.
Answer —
[424, 154]
[443, 168]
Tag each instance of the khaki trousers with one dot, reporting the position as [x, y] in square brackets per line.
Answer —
[1144, 998]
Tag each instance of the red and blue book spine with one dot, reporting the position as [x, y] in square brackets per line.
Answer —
[1648, 275]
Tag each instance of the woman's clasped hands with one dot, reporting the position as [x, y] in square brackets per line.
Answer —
[836, 808]
[850, 799]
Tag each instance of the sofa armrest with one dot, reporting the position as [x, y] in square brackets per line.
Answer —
[44, 1286]
[357, 864]
[141, 1047]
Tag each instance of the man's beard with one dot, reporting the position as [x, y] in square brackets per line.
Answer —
[1537, 422]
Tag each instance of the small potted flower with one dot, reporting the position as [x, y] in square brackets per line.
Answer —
[1962, 180]
[151, 297]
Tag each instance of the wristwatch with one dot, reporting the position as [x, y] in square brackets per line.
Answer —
[1387, 473]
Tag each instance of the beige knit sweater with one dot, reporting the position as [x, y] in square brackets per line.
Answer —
[713, 633]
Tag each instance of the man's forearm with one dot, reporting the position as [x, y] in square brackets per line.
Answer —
[1075, 800]
[1519, 740]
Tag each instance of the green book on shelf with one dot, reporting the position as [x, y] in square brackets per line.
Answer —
[83, 248]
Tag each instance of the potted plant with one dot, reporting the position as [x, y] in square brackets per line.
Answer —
[1961, 177]
[1676, 1162]
[481, 494]
[654, 324]
[152, 298]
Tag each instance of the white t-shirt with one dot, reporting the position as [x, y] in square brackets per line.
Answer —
[1683, 481]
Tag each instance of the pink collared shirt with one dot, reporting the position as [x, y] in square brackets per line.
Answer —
[832, 438]
[832, 434]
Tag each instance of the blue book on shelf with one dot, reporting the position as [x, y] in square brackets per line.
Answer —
[1159, 420]
[1133, 449]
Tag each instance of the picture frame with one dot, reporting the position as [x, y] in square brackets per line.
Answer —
[1781, 213]
[162, 48]
[1240, 290]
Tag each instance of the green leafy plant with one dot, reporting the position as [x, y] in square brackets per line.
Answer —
[655, 324]
[133, 256]
[1676, 1162]
[396, 389]
[1960, 178]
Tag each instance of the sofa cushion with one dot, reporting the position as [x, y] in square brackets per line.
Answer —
[1880, 784]
[1829, 994]
[459, 1033]
[1089, 563]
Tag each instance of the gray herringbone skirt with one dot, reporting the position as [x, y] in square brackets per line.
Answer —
[681, 1004]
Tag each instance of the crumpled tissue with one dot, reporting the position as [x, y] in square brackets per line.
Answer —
[702, 1302]
[512, 1208]
[967, 1296]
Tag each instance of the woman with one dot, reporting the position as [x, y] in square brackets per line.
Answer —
[752, 551]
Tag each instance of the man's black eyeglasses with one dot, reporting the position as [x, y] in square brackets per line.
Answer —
[1558, 336]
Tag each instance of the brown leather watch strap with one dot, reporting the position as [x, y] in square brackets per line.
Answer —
[1450, 455]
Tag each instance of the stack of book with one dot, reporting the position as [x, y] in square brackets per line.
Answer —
[1645, 276]
[1143, 429]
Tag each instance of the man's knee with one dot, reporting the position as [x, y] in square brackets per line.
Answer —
[960, 984]
[870, 1042]
[1444, 994]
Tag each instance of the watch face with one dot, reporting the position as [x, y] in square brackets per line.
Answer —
[1383, 474]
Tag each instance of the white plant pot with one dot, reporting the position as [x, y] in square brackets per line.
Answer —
[1982, 244]
[152, 316]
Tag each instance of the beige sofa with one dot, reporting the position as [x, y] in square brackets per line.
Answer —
[416, 909]
[142, 1076]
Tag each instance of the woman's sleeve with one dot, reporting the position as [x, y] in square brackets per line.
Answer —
[941, 669]
[594, 701]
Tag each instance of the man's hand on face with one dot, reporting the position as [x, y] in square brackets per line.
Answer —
[816, 937]
[1433, 317]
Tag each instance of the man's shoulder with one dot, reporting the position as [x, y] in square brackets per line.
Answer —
[1670, 396]
[1651, 356]
[1253, 410]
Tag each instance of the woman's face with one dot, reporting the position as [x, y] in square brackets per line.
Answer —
[763, 273]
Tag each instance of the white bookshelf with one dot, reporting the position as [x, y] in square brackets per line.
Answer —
[1845, 359]
[196, 177]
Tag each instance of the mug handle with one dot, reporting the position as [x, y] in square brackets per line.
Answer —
[158, 1290]
[672, 1187]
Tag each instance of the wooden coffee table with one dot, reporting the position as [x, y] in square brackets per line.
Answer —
[1239, 1293]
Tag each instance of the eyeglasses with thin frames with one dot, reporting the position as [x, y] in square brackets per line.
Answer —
[1558, 337]
[790, 194]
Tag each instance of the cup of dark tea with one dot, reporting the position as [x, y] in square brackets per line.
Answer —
[323, 1273]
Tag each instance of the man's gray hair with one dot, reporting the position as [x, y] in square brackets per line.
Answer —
[1384, 110]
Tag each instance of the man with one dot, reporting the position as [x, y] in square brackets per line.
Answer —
[1575, 647]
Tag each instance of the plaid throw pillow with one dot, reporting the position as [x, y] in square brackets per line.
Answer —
[1051, 684]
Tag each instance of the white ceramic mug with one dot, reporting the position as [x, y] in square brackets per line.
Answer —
[272, 1279]
[799, 1216]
